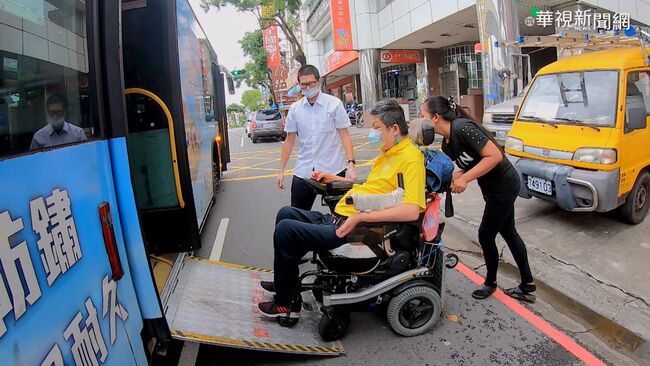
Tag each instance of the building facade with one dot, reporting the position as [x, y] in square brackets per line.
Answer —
[410, 49]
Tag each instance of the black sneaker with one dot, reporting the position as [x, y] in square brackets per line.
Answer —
[268, 285]
[271, 310]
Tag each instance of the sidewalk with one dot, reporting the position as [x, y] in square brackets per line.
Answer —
[593, 259]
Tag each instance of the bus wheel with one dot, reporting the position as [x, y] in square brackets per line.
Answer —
[636, 205]
[216, 174]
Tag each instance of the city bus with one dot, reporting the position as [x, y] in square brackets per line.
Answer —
[113, 136]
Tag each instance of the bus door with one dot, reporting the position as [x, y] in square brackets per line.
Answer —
[67, 295]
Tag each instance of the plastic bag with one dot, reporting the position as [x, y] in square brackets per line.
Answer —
[431, 219]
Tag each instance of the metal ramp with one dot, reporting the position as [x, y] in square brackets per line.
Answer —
[216, 303]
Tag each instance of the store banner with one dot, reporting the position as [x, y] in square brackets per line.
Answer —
[338, 59]
[272, 46]
[341, 25]
[279, 79]
[401, 56]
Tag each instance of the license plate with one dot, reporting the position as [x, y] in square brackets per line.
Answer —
[501, 135]
[540, 185]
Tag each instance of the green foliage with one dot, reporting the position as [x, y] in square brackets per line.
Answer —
[234, 107]
[257, 73]
[252, 100]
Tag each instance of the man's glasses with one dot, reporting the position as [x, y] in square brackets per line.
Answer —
[56, 113]
[308, 85]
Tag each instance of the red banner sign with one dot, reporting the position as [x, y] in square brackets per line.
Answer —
[401, 56]
[272, 47]
[341, 27]
[279, 77]
[338, 59]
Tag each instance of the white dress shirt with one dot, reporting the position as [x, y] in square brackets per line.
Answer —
[317, 125]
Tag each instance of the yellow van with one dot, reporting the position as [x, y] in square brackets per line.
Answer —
[581, 137]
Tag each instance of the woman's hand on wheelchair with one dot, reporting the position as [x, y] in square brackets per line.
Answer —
[349, 225]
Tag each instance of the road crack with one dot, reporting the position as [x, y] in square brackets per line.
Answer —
[602, 282]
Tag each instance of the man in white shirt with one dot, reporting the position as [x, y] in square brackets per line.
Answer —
[320, 123]
[57, 131]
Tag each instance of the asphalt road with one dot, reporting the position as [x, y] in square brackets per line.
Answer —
[471, 332]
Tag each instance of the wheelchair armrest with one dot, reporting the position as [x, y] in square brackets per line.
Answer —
[339, 188]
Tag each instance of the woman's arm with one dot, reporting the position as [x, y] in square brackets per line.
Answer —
[491, 156]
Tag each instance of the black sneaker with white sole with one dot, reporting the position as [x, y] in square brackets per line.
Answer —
[272, 310]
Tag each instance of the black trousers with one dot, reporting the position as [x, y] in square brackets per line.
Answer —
[499, 217]
[302, 194]
[296, 233]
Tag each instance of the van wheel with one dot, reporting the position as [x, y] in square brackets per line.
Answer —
[636, 205]
[254, 140]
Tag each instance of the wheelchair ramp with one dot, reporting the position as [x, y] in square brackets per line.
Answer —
[216, 303]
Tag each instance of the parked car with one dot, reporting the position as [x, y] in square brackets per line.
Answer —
[498, 118]
[267, 123]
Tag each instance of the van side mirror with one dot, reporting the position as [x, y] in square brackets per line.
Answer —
[635, 119]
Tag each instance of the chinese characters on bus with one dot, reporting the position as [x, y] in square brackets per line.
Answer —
[57, 234]
[59, 249]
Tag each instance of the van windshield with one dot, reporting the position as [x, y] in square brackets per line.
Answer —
[580, 98]
[268, 115]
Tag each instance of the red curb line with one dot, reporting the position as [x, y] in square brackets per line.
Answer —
[539, 323]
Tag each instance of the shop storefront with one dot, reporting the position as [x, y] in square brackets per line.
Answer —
[344, 89]
[403, 77]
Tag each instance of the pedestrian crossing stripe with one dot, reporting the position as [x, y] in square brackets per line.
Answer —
[255, 345]
[231, 265]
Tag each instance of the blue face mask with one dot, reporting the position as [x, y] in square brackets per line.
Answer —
[310, 93]
[374, 137]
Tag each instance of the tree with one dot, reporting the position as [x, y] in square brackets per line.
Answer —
[234, 111]
[257, 73]
[252, 100]
[284, 13]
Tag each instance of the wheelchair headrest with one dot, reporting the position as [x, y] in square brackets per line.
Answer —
[421, 131]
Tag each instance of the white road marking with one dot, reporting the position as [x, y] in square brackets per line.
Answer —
[242, 142]
[189, 354]
[217, 247]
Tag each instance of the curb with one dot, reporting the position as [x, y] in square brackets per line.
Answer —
[604, 300]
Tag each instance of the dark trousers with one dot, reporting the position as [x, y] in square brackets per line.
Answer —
[499, 217]
[302, 194]
[296, 233]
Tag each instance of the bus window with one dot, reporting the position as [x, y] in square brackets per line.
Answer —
[45, 98]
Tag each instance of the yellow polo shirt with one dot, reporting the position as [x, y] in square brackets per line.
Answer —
[403, 158]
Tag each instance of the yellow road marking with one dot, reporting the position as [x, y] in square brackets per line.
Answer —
[253, 166]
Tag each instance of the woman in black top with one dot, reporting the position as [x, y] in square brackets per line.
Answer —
[478, 156]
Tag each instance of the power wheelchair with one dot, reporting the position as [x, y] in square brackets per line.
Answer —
[384, 266]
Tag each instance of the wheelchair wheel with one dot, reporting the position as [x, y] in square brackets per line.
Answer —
[414, 311]
[451, 260]
[333, 327]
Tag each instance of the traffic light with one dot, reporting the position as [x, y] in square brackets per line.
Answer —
[237, 73]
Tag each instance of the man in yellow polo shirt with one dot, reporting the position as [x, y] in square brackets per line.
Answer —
[298, 231]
